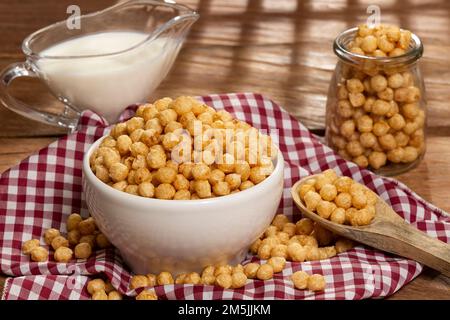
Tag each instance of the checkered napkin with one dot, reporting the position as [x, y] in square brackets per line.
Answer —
[45, 188]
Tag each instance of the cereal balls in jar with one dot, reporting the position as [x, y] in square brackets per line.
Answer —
[376, 108]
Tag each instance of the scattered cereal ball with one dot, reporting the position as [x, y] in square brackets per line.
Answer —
[101, 241]
[227, 269]
[277, 263]
[255, 246]
[323, 236]
[251, 270]
[238, 280]
[361, 161]
[264, 251]
[114, 295]
[316, 282]
[87, 226]
[296, 252]
[59, 241]
[192, 278]
[73, 221]
[289, 228]
[164, 278]
[377, 159]
[338, 216]
[224, 280]
[280, 250]
[304, 226]
[238, 268]
[208, 279]
[343, 244]
[95, 285]
[180, 278]
[165, 191]
[147, 294]
[151, 279]
[100, 295]
[83, 250]
[312, 199]
[63, 254]
[90, 239]
[29, 245]
[279, 221]
[39, 254]
[312, 254]
[265, 272]
[73, 237]
[108, 287]
[300, 280]
[271, 231]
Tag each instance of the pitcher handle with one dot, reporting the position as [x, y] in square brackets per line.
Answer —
[67, 119]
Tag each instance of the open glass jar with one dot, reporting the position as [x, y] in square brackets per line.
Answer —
[376, 108]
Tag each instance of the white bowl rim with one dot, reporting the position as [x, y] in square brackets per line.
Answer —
[143, 200]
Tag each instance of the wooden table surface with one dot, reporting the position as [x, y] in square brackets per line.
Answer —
[279, 48]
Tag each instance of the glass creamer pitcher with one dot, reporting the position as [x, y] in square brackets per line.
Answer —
[117, 57]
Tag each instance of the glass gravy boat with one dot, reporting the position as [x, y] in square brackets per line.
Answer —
[148, 35]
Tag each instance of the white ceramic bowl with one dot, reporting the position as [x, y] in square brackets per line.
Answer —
[182, 235]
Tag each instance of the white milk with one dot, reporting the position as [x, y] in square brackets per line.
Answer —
[107, 84]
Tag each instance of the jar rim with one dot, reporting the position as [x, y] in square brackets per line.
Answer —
[339, 47]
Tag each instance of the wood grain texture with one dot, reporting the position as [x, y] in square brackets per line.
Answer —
[279, 48]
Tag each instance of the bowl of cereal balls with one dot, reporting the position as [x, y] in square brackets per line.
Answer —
[180, 186]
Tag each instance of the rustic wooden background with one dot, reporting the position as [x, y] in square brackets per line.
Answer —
[279, 48]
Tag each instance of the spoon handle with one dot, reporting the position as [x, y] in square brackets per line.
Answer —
[407, 241]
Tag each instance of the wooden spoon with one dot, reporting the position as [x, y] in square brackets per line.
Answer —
[387, 232]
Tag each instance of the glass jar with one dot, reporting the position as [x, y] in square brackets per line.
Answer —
[382, 130]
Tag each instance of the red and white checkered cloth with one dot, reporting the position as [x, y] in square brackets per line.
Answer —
[45, 188]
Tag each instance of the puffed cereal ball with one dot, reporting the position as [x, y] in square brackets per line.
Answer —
[202, 188]
[356, 99]
[338, 216]
[410, 154]
[347, 128]
[277, 263]
[325, 208]
[147, 294]
[224, 280]
[238, 280]
[343, 200]
[156, 158]
[396, 155]
[123, 144]
[395, 80]
[410, 110]
[73, 221]
[323, 236]
[355, 85]
[90, 239]
[39, 254]
[401, 139]
[343, 184]
[142, 175]
[364, 124]
[257, 175]
[165, 191]
[208, 279]
[343, 245]
[233, 180]
[304, 226]
[166, 175]
[289, 228]
[87, 226]
[296, 252]
[378, 83]
[312, 254]
[387, 142]
[50, 234]
[265, 251]
[63, 254]
[369, 44]
[265, 272]
[114, 295]
[102, 173]
[83, 250]
[271, 231]
[380, 107]
[164, 278]
[316, 282]
[300, 279]
[99, 295]
[354, 148]
[250, 270]
[312, 199]
[192, 278]
[59, 241]
[361, 161]
[73, 237]
[280, 250]
[377, 159]
[321, 180]
[102, 241]
[95, 285]
[380, 128]
[118, 172]
[29, 245]
[344, 109]
[182, 195]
